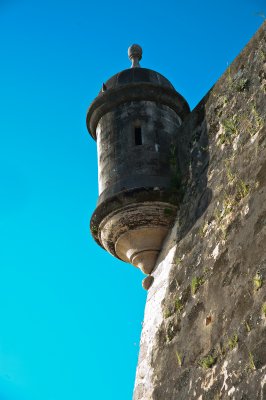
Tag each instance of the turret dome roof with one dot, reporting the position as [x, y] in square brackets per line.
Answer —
[137, 75]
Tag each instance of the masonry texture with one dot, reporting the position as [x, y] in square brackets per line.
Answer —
[204, 331]
[122, 164]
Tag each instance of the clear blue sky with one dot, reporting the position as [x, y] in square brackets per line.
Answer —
[70, 314]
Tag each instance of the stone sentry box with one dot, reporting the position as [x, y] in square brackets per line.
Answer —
[135, 120]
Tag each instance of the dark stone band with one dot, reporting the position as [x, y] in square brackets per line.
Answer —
[135, 91]
[127, 197]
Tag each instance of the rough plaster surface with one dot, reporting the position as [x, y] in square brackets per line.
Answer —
[204, 331]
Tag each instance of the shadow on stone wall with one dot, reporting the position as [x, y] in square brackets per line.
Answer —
[213, 309]
[205, 322]
[192, 152]
[193, 157]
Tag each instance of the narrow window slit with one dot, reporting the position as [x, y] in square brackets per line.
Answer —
[138, 136]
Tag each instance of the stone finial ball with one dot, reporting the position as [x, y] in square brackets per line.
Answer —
[135, 51]
[147, 282]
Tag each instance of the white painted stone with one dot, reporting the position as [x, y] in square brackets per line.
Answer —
[153, 318]
[263, 382]
[225, 374]
[231, 391]
[215, 252]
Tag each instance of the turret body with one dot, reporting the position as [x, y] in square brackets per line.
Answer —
[135, 121]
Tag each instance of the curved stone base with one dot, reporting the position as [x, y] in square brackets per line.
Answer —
[135, 233]
[141, 246]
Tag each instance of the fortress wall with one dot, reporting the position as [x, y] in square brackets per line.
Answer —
[204, 331]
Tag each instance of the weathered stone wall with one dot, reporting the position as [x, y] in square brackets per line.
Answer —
[204, 331]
